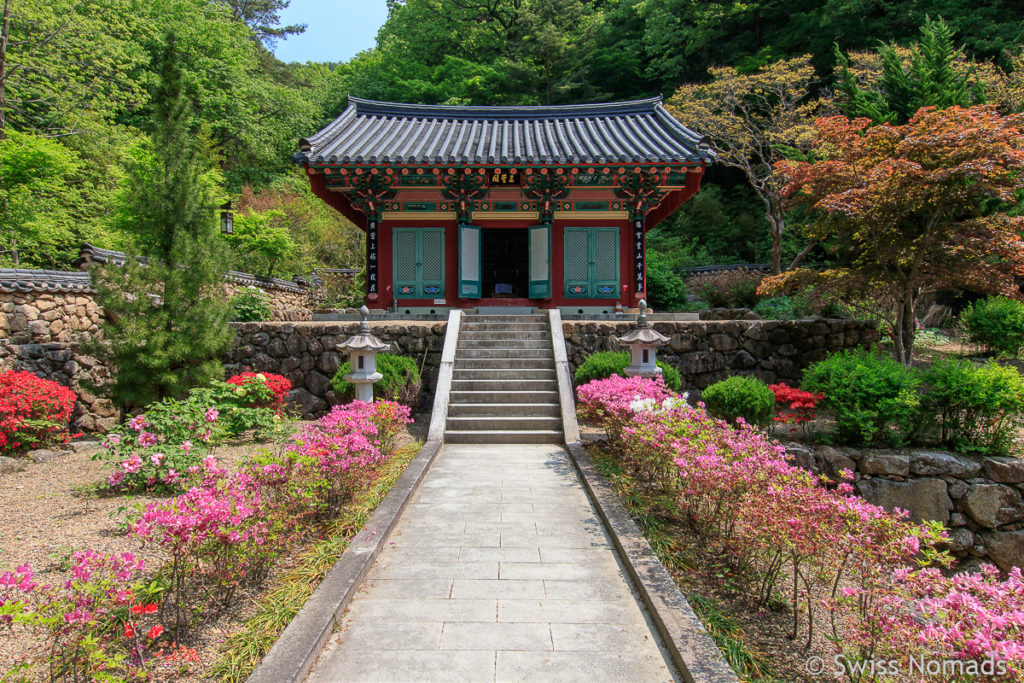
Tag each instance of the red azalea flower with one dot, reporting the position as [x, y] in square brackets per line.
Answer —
[129, 630]
[155, 631]
[144, 609]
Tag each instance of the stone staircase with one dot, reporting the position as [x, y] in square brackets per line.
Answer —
[504, 388]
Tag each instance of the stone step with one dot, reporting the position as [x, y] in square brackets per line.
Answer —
[505, 352]
[474, 423]
[520, 409]
[498, 436]
[503, 363]
[505, 373]
[489, 335]
[505, 318]
[504, 342]
[499, 385]
[503, 327]
[474, 396]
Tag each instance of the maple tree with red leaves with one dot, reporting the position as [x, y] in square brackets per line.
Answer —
[911, 208]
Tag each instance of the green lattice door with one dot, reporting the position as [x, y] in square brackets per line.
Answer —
[592, 263]
[418, 263]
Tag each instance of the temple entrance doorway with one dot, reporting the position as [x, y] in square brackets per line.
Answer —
[505, 260]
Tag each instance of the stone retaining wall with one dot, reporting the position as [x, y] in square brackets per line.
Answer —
[979, 499]
[305, 353]
[705, 352]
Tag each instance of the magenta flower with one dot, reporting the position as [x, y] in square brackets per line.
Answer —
[147, 439]
[212, 414]
[186, 446]
[138, 422]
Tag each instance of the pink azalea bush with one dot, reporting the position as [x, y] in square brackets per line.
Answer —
[226, 529]
[876, 572]
[93, 623]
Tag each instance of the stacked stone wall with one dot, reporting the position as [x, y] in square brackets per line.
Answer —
[306, 353]
[708, 351]
[981, 500]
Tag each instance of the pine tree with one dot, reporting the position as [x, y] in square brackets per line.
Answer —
[931, 78]
[166, 311]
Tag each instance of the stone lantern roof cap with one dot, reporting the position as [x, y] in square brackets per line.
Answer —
[364, 340]
[643, 335]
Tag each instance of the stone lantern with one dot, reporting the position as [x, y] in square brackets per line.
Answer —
[642, 341]
[363, 349]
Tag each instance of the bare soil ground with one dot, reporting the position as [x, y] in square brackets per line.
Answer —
[50, 510]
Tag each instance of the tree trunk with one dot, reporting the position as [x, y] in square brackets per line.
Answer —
[5, 31]
[778, 224]
[904, 329]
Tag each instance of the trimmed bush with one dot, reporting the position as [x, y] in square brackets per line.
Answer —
[604, 364]
[251, 305]
[746, 397]
[996, 323]
[784, 308]
[978, 408]
[873, 398]
[401, 381]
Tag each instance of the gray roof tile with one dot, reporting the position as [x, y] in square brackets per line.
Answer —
[637, 131]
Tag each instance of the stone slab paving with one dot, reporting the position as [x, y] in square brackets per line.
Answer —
[499, 570]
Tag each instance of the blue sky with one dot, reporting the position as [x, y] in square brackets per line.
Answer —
[337, 29]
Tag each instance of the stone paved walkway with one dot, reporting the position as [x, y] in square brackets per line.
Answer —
[499, 570]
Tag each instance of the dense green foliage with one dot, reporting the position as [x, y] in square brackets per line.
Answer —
[250, 304]
[873, 398]
[996, 323]
[978, 408]
[401, 381]
[735, 397]
[166, 318]
[74, 117]
[604, 364]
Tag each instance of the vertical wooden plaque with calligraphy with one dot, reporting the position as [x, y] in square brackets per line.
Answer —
[371, 261]
[639, 262]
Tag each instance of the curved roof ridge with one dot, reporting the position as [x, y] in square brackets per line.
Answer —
[435, 111]
[373, 132]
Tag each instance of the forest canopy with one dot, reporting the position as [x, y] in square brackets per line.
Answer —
[76, 100]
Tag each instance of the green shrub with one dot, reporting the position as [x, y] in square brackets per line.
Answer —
[873, 398]
[604, 364]
[978, 408]
[997, 323]
[401, 381]
[251, 304]
[784, 308]
[666, 289]
[746, 397]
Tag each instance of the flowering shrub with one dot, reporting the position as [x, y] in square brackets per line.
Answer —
[610, 401]
[262, 389]
[249, 401]
[226, 529]
[33, 411]
[94, 624]
[604, 364]
[345, 444]
[874, 570]
[155, 450]
[793, 405]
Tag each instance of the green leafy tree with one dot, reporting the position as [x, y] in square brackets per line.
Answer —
[261, 241]
[167, 317]
[756, 120]
[925, 76]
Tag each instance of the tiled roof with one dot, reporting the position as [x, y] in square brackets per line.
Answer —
[637, 131]
[90, 254]
[21, 280]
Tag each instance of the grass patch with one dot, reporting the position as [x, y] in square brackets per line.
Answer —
[243, 651]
